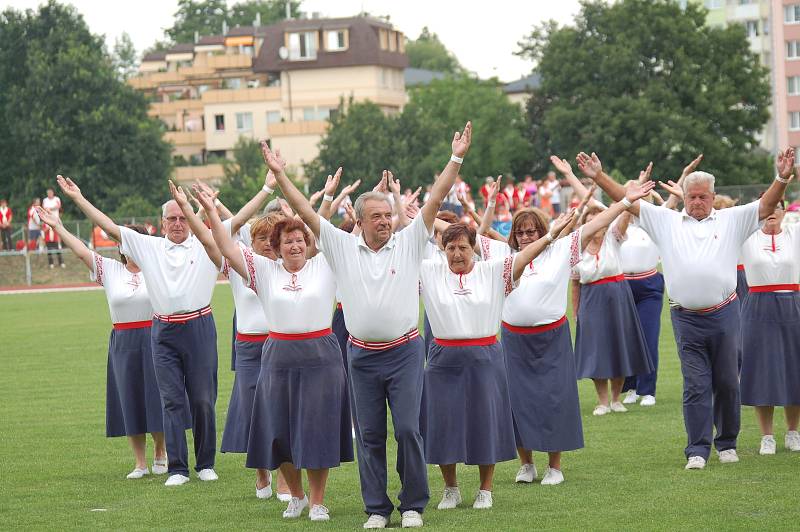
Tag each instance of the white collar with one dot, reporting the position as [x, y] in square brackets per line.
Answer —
[388, 245]
[169, 244]
[711, 216]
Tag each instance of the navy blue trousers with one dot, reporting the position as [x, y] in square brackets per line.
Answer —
[395, 376]
[648, 294]
[708, 346]
[185, 360]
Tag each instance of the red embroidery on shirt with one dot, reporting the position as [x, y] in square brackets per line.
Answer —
[292, 286]
[251, 268]
[134, 281]
[507, 280]
[461, 290]
[485, 248]
[98, 266]
[226, 269]
[575, 249]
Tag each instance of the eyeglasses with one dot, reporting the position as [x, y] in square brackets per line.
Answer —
[173, 219]
[530, 234]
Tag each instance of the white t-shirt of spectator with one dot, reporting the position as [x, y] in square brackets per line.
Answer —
[52, 205]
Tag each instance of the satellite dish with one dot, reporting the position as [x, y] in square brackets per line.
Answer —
[283, 53]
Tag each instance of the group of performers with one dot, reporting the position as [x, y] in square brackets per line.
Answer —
[326, 329]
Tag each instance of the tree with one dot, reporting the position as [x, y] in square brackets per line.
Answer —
[63, 110]
[641, 80]
[271, 11]
[125, 60]
[205, 17]
[244, 176]
[429, 53]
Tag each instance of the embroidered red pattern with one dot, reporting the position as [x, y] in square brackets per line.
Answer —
[507, 263]
[98, 266]
[226, 269]
[485, 248]
[575, 249]
[251, 269]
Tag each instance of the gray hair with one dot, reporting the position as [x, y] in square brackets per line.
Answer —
[273, 206]
[699, 178]
[164, 208]
[358, 206]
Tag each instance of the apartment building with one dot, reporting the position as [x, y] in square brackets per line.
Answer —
[280, 82]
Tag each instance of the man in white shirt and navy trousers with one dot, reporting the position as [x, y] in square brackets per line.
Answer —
[700, 248]
[377, 275]
[181, 280]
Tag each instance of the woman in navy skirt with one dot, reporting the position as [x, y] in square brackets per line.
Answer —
[537, 344]
[609, 343]
[770, 372]
[467, 410]
[301, 417]
[133, 404]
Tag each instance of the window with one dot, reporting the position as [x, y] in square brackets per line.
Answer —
[233, 83]
[335, 40]
[791, 14]
[273, 117]
[219, 122]
[765, 26]
[384, 39]
[715, 4]
[392, 41]
[247, 50]
[793, 49]
[302, 46]
[751, 28]
[244, 121]
[794, 121]
[309, 113]
[793, 85]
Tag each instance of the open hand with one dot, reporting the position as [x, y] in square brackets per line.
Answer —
[462, 141]
[48, 217]
[692, 166]
[638, 191]
[272, 159]
[562, 165]
[589, 165]
[672, 187]
[68, 187]
[786, 163]
[332, 182]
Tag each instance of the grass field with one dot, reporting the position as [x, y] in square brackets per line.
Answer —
[58, 468]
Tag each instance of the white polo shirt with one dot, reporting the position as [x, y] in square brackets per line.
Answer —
[126, 292]
[52, 205]
[180, 277]
[772, 259]
[379, 289]
[250, 318]
[493, 249]
[639, 253]
[607, 262]
[541, 296]
[297, 302]
[699, 257]
[461, 306]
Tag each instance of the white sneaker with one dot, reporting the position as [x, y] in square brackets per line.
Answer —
[137, 473]
[618, 407]
[728, 456]
[176, 480]
[601, 410]
[411, 519]
[318, 513]
[160, 467]
[266, 491]
[376, 521]
[527, 473]
[631, 398]
[295, 507]
[648, 400]
[767, 445]
[552, 477]
[696, 462]
[284, 497]
[483, 500]
[207, 475]
[450, 498]
[792, 440]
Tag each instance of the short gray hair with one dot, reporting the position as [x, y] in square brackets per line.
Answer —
[698, 178]
[273, 206]
[164, 208]
[358, 206]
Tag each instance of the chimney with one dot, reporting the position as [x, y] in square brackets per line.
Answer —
[288, 9]
[196, 36]
[257, 21]
[224, 27]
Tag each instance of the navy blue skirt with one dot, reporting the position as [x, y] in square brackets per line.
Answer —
[240, 407]
[342, 334]
[770, 373]
[133, 404]
[543, 390]
[300, 409]
[467, 409]
[609, 342]
[742, 290]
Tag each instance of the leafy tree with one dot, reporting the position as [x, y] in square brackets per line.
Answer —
[137, 206]
[125, 60]
[63, 110]
[429, 53]
[641, 80]
[244, 175]
[244, 13]
[202, 16]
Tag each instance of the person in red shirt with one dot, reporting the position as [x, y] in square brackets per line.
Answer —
[53, 243]
[6, 215]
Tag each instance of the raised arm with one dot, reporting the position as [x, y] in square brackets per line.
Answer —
[633, 193]
[676, 192]
[73, 242]
[296, 200]
[565, 169]
[440, 188]
[346, 191]
[195, 224]
[97, 217]
[593, 169]
[491, 202]
[222, 238]
[399, 205]
[533, 250]
[331, 184]
[251, 207]
[774, 193]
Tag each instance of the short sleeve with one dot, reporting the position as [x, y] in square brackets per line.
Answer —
[506, 271]
[250, 266]
[416, 235]
[98, 269]
[655, 220]
[616, 233]
[136, 245]
[574, 239]
[333, 242]
[744, 219]
[493, 249]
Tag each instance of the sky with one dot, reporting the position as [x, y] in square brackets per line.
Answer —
[482, 35]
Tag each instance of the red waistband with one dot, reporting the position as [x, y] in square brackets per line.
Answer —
[775, 288]
[133, 325]
[709, 309]
[612, 279]
[339, 306]
[183, 318]
[244, 337]
[740, 267]
[300, 336]
[380, 346]
[489, 340]
[538, 329]
[642, 275]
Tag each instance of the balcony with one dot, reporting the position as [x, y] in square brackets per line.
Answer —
[196, 71]
[209, 172]
[174, 107]
[260, 94]
[186, 138]
[285, 129]
[221, 62]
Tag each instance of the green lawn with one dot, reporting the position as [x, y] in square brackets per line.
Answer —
[57, 466]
